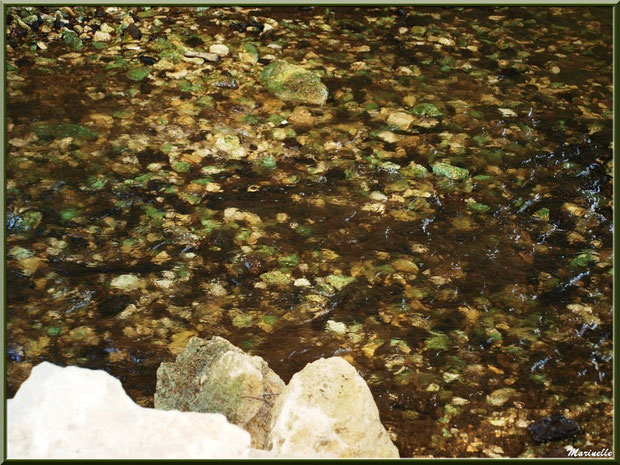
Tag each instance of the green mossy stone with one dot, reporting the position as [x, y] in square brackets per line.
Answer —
[154, 213]
[305, 231]
[251, 119]
[62, 130]
[192, 199]
[30, 19]
[142, 179]
[69, 213]
[276, 119]
[270, 319]
[72, 40]
[181, 167]
[276, 278]
[478, 207]
[438, 341]
[138, 73]
[339, 281]
[413, 170]
[290, 260]
[426, 109]
[210, 225]
[215, 377]
[117, 64]
[293, 83]
[132, 92]
[480, 140]
[53, 330]
[449, 171]
[242, 321]
[585, 258]
[251, 49]
[542, 214]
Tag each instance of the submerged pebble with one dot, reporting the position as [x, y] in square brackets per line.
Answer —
[126, 282]
[293, 83]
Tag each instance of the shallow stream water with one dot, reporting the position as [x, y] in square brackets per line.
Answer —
[473, 302]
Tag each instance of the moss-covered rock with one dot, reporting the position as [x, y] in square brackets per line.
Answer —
[339, 281]
[293, 83]
[276, 278]
[62, 130]
[449, 171]
[138, 73]
[216, 377]
[413, 170]
[427, 109]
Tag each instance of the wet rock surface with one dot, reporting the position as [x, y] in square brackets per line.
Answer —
[327, 411]
[293, 83]
[217, 377]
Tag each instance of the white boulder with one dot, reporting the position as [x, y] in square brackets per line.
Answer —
[75, 413]
[327, 410]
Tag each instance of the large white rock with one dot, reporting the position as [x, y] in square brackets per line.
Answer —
[327, 410]
[79, 413]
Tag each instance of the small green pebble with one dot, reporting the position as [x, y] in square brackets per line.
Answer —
[543, 214]
[269, 162]
[449, 171]
[69, 214]
[478, 207]
[139, 73]
[53, 330]
[181, 167]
